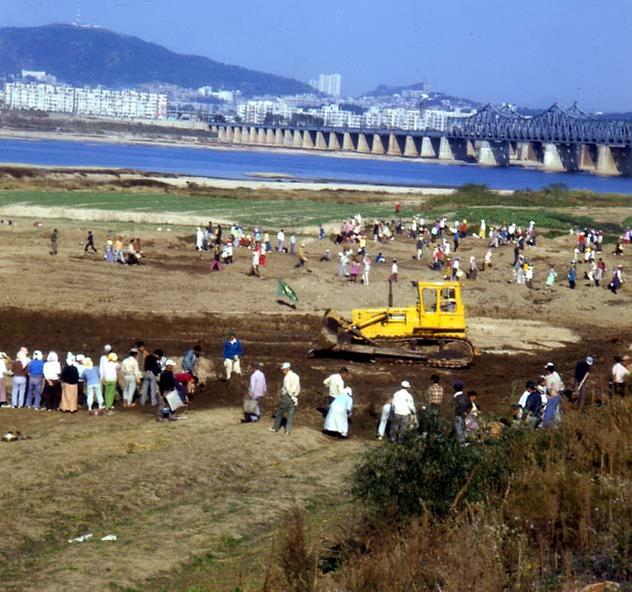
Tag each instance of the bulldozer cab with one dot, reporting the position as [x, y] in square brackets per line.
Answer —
[440, 306]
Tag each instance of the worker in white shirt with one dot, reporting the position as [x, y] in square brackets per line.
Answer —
[336, 383]
[552, 378]
[290, 391]
[394, 272]
[403, 406]
[620, 375]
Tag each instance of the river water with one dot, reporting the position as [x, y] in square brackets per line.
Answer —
[242, 164]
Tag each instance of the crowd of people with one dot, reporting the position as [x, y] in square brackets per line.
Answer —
[41, 382]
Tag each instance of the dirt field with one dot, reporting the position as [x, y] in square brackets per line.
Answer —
[194, 503]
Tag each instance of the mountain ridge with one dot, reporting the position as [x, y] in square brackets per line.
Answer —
[82, 55]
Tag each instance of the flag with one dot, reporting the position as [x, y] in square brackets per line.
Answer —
[284, 291]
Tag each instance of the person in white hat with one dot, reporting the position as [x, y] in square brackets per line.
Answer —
[403, 407]
[107, 349]
[552, 379]
[337, 420]
[290, 391]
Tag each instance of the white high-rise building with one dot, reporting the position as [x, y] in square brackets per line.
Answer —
[330, 84]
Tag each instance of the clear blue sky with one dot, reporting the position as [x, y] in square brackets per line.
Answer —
[529, 52]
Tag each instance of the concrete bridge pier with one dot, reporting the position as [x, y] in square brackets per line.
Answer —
[588, 156]
[430, 147]
[452, 149]
[396, 145]
[308, 140]
[237, 135]
[270, 137]
[334, 142]
[363, 144]
[561, 157]
[614, 160]
[350, 142]
[288, 138]
[297, 139]
[261, 136]
[253, 137]
[221, 134]
[378, 147]
[495, 154]
[321, 143]
[278, 137]
[230, 134]
[412, 147]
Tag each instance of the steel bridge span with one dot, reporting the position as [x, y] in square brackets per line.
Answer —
[559, 140]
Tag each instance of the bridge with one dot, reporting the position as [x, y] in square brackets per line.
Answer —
[557, 140]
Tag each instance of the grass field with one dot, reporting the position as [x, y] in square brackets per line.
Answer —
[553, 208]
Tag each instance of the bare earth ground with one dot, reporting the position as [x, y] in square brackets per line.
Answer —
[194, 502]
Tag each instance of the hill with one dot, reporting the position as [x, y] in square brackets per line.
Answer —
[434, 98]
[95, 56]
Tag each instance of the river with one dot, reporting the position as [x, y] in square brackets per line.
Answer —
[243, 164]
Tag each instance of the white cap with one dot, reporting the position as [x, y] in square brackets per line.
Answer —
[286, 366]
[107, 348]
[406, 384]
[170, 363]
[589, 360]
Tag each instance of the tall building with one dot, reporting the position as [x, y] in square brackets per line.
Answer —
[330, 84]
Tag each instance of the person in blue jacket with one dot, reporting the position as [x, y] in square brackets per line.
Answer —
[232, 352]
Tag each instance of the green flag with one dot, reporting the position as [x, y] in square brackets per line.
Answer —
[284, 291]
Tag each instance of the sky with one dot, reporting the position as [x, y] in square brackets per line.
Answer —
[527, 53]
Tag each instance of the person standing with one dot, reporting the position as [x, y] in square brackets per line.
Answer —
[337, 420]
[336, 383]
[18, 369]
[90, 243]
[403, 406]
[35, 370]
[366, 272]
[572, 276]
[434, 398]
[54, 242]
[290, 392]
[281, 241]
[552, 379]
[394, 272]
[3, 379]
[582, 372]
[107, 349]
[109, 378]
[149, 387]
[92, 382]
[232, 352]
[461, 409]
[257, 389]
[52, 387]
[620, 375]
[553, 411]
[131, 377]
[69, 380]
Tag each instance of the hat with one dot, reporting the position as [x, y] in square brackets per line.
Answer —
[286, 366]
[112, 357]
[589, 360]
[550, 365]
[87, 363]
[133, 350]
[406, 384]
[107, 349]
[169, 363]
[80, 357]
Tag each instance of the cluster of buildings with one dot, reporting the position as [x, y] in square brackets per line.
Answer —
[91, 102]
[335, 115]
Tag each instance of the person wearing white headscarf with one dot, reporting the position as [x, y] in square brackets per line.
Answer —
[18, 368]
[52, 386]
[69, 380]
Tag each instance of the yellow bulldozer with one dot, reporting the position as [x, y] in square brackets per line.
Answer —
[431, 333]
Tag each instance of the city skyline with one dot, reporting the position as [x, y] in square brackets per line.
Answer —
[483, 50]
